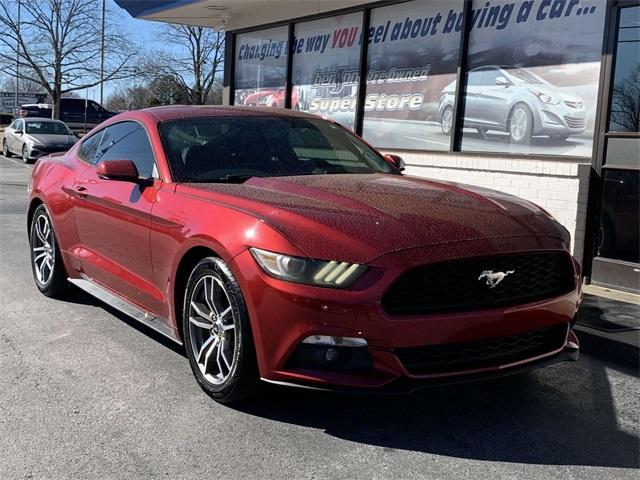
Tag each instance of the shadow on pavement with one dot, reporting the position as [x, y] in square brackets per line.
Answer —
[561, 415]
[80, 297]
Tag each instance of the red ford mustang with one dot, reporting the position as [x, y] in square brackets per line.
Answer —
[279, 246]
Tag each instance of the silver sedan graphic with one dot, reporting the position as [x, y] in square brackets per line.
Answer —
[517, 101]
[34, 137]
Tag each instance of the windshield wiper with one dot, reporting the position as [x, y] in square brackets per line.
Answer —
[231, 179]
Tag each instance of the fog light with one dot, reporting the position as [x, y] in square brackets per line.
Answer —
[331, 356]
[335, 341]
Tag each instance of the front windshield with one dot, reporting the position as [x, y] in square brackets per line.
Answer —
[525, 76]
[47, 128]
[239, 147]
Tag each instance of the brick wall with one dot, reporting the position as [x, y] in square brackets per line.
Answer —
[560, 187]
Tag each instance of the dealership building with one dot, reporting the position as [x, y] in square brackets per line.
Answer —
[536, 98]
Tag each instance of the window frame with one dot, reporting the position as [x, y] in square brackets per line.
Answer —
[156, 170]
[456, 136]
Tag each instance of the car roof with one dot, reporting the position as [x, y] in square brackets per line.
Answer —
[41, 119]
[175, 112]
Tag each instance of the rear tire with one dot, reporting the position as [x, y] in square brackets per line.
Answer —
[48, 270]
[217, 333]
[5, 149]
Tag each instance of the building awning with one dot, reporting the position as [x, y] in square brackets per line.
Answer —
[230, 14]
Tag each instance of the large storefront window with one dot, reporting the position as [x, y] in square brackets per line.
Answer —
[412, 65]
[625, 98]
[326, 67]
[261, 68]
[532, 79]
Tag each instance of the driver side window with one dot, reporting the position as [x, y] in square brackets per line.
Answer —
[128, 141]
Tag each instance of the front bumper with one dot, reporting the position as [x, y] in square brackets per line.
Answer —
[283, 315]
[560, 120]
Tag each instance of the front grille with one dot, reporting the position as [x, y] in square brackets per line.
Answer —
[575, 122]
[574, 104]
[456, 286]
[487, 353]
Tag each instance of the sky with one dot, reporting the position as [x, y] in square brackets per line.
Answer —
[143, 33]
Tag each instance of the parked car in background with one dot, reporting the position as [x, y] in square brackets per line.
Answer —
[272, 98]
[32, 138]
[517, 101]
[79, 114]
[279, 246]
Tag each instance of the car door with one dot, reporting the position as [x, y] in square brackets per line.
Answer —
[493, 99]
[472, 112]
[113, 218]
[10, 134]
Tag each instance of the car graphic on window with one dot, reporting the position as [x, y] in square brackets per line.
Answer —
[517, 101]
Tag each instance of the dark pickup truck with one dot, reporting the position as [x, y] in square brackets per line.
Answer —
[79, 114]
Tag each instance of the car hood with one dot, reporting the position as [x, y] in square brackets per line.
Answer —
[53, 140]
[358, 218]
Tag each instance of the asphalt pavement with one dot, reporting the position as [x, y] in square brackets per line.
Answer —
[87, 393]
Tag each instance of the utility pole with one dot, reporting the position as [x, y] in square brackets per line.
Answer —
[102, 52]
[15, 103]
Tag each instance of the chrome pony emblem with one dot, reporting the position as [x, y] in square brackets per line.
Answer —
[494, 278]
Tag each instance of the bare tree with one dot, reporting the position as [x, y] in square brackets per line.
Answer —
[625, 103]
[195, 62]
[59, 41]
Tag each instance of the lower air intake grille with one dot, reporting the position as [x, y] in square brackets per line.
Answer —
[490, 352]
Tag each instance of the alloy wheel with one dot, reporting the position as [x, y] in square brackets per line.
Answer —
[519, 125]
[447, 121]
[25, 157]
[43, 248]
[212, 329]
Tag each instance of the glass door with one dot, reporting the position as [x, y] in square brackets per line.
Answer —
[617, 261]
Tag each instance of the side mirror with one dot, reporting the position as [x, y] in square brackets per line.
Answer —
[119, 170]
[502, 81]
[396, 161]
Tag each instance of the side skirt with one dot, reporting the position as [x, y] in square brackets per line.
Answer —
[114, 300]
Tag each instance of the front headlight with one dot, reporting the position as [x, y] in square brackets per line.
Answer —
[546, 98]
[266, 100]
[307, 270]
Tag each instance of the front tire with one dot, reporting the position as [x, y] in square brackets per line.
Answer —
[25, 155]
[48, 270]
[446, 120]
[521, 125]
[217, 333]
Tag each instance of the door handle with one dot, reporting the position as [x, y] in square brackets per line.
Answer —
[79, 191]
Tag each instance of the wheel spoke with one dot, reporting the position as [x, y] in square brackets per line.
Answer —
[39, 232]
[199, 323]
[218, 355]
[224, 357]
[47, 229]
[41, 271]
[208, 355]
[39, 249]
[39, 257]
[208, 294]
[204, 348]
[226, 328]
[201, 313]
[226, 312]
